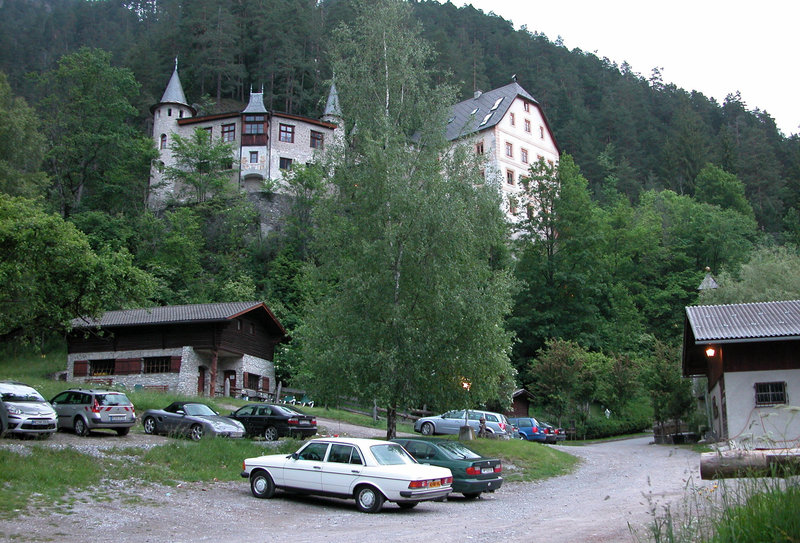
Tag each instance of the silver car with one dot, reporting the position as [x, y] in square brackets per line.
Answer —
[194, 420]
[25, 411]
[452, 421]
[85, 410]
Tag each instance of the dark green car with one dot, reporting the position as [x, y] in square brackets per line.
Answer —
[472, 473]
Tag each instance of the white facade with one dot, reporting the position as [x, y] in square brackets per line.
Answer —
[752, 425]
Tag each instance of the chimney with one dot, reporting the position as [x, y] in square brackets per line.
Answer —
[478, 94]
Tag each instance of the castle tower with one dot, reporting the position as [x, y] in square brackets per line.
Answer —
[254, 152]
[333, 114]
[173, 106]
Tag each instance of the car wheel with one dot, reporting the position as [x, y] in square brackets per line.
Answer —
[407, 505]
[196, 432]
[369, 499]
[123, 431]
[427, 429]
[471, 495]
[80, 427]
[261, 484]
[270, 433]
[149, 424]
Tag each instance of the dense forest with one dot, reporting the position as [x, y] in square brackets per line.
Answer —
[655, 183]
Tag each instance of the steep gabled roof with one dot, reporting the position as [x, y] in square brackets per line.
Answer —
[256, 103]
[744, 322]
[176, 314]
[486, 110]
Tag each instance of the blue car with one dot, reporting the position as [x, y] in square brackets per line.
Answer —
[529, 429]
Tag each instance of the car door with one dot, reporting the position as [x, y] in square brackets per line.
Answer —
[342, 468]
[303, 470]
[451, 422]
[61, 404]
[245, 415]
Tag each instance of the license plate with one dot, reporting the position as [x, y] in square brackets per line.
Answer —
[40, 422]
[117, 417]
[487, 470]
[304, 422]
[435, 484]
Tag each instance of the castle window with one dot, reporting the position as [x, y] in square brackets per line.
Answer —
[169, 112]
[527, 126]
[285, 163]
[541, 132]
[512, 119]
[253, 157]
[479, 148]
[180, 114]
[286, 133]
[253, 124]
[527, 107]
[209, 132]
[510, 177]
[524, 153]
[228, 132]
[317, 139]
[163, 144]
[509, 150]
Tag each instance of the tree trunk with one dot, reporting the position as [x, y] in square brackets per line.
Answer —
[742, 463]
[391, 421]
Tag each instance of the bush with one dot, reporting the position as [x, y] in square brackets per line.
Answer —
[599, 427]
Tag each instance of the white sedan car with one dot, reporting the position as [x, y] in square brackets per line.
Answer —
[368, 470]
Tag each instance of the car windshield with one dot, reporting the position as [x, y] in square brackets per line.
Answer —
[113, 399]
[197, 409]
[391, 454]
[21, 395]
[456, 450]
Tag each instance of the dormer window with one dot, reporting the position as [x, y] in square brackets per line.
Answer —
[486, 119]
[497, 103]
[474, 111]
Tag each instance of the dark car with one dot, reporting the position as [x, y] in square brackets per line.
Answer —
[274, 421]
[472, 473]
[191, 419]
[549, 433]
[529, 429]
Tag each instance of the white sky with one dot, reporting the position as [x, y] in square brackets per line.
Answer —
[712, 46]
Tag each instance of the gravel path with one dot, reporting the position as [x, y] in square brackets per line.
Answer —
[616, 484]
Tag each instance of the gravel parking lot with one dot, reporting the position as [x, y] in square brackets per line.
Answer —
[616, 484]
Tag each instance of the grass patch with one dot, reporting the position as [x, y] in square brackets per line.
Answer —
[524, 461]
[354, 418]
[45, 476]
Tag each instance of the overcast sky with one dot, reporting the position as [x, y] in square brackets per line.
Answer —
[712, 46]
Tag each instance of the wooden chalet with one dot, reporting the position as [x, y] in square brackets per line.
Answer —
[203, 349]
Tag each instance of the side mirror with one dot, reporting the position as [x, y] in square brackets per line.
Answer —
[293, 456]
[180, 412]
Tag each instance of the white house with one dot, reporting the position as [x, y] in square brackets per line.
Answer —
[750, 354]
[508, 127]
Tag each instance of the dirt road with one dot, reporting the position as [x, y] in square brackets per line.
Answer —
[616, 484]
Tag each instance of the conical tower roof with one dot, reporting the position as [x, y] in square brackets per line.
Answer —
[332, 107]
[173, 94]
[256, 104]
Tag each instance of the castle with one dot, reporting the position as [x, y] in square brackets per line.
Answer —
[507, 126]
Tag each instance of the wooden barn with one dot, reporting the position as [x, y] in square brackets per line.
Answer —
[750, 355]
[202, 349]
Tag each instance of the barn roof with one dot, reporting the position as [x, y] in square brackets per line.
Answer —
[176, 314]
[744, 322]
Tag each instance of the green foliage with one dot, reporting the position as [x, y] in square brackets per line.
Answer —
[770, 516]
[771, 274]
[411, 305]
[49, 274]
[717, 187]
[670, 394]
[94, 150]
[21, 146]
[524, 461]
[202, 167]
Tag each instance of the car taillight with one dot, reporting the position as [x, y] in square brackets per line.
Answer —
[535, 429]
[418, 484]
[95, 406]
[313, 422]
[498, 468]
[502, 426]
[293, 420]
[447, 481]
[473, 470]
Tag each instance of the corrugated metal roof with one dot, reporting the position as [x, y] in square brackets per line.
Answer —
[170, 314]
[742, 322]
[469, 116]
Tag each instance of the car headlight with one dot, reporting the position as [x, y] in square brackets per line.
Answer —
[13, 410]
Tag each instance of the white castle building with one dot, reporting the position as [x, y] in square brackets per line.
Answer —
[506, 125]
[265, 143]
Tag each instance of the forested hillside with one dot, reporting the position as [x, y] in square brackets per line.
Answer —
[650, 134]
[655, 183]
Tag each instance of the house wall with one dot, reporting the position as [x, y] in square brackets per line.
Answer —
[764, 425]
[172, 380]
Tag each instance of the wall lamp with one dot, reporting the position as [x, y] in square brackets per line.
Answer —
[710, 352]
